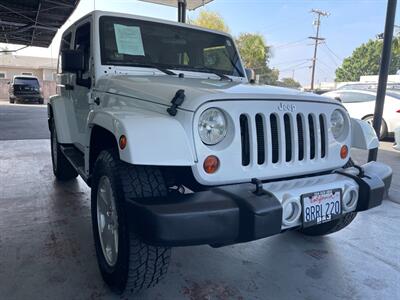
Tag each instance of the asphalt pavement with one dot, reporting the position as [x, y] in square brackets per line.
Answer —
[23, 121]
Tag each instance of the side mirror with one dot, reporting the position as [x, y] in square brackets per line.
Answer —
[9, 82]
[251, 75]
[72, 61]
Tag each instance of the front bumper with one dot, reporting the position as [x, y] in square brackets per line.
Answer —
[236, 213]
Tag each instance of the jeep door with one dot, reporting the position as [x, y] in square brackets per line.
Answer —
[81, 82]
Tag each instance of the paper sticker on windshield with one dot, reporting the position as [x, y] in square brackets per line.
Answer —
[129, 40]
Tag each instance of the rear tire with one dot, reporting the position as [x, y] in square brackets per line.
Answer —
[12, 100]
[330, 227]
[136, 265]
[62, 168]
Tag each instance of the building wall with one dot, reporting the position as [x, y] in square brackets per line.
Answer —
[11, 72]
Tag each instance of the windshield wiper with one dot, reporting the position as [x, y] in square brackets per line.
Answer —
[165, 71]
[220, 75]
[234, 64]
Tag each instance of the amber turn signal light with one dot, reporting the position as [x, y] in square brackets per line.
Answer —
[211, 164]
[344, 151]
[122, 142]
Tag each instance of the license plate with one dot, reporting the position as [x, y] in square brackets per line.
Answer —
[321, 207]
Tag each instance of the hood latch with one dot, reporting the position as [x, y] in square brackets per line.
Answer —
[176, 102]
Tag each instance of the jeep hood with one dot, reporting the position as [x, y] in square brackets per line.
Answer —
[161, 89]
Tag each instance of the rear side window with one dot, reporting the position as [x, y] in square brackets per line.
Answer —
[65, 45]
[349, 97]
[82, 43]
[26, 81]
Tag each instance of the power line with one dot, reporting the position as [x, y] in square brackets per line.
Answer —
[331, 57]
[290, 61]
[331, 51]
[291, 44]
[317, 39]
[294, 67]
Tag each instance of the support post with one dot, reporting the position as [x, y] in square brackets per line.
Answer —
[182, 6]
[383, 72]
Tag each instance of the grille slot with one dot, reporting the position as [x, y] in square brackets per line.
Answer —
[312, 136]
[288, 137]
[323, 135]
[245, 139]
[274, 138]
[260, 139]
[300, 136]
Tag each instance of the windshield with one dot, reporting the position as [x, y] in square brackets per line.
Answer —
[129, 42]
[26, 81]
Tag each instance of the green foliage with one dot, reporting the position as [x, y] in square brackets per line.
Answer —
[210, 20]
[253, 49]
[365, 60]
[290, 83]
[255, 55]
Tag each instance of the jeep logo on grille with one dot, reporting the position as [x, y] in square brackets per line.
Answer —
[286, 107]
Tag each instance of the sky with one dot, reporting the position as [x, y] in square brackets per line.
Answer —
[285, 24]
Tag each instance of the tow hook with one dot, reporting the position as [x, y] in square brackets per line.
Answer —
[259, 186]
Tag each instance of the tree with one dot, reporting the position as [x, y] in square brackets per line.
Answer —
[210, 20]
[366, 59]
[255, 55]
[290, 83]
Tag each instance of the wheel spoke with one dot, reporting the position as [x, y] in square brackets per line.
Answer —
[107, 220]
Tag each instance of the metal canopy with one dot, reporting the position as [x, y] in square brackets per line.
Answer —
[191, 4]
[33, 22]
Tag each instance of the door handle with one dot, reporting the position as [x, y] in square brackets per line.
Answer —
[97, 101]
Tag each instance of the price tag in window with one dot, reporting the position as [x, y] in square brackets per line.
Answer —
[129, 40]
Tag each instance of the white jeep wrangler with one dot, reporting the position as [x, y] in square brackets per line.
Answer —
[160, 120]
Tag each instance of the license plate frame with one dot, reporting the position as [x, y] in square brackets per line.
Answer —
[321, 213]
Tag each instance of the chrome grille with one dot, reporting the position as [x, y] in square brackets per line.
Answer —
[280, 138]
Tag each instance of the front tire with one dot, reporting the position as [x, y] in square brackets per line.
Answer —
[330, 227]
[62, 168]
[12, 100]
[127, 264]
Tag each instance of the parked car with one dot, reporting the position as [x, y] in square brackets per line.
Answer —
[367, 86]
[396, 145]
[24, 88]
[361, 105]
[148, 109]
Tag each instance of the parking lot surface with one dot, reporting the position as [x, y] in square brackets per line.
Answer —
[47, 249]
[23, 121]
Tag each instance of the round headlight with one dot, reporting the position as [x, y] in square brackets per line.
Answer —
[338, 123]
[212, 126]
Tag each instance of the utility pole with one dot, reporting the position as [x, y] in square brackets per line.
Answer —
[316, 38]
